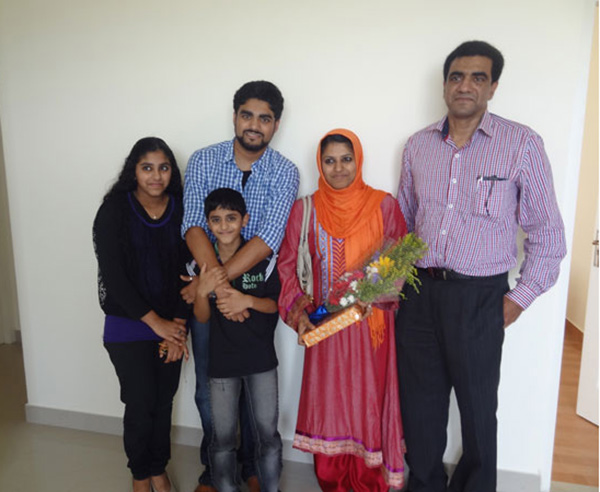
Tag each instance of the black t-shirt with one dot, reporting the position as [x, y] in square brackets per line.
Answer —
[240, 349]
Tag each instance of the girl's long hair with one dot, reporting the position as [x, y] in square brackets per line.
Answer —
[126, 180]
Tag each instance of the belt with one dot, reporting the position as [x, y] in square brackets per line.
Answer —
[445, 274]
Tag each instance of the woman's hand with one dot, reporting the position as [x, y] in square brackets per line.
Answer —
[367, 309]
[172, 331]
[172, 352]
[233, 302]
[304, 326]
[188, 293]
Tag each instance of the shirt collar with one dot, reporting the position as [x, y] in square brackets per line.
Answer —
[229, 152]
[257, 165]
[486, 125]
[216, 247]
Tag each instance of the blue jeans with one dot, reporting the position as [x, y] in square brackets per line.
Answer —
[200, 332]
[262, 397]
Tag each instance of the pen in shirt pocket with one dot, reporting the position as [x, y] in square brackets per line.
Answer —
[493, 179]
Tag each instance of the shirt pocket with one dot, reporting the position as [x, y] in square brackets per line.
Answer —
[492, 197]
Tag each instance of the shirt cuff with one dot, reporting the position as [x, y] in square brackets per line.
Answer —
[186, 226]
[269, 241]
[522, 295]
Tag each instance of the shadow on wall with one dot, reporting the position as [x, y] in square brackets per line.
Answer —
[9, 312]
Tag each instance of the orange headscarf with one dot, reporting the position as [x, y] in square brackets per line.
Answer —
[353, 214]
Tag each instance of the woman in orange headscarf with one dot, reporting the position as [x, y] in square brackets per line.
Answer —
[349, 414]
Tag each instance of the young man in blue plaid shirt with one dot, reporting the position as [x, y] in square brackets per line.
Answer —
[269, 184]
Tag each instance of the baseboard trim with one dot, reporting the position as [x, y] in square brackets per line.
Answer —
[508, 481]
[73, 420]
[511, 481]
[185, 436]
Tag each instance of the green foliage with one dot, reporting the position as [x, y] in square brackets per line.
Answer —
[381, 279]
[394, 265]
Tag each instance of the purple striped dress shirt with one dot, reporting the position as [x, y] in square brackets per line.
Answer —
[468, 203]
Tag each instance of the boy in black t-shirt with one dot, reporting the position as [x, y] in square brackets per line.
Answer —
[241, 355]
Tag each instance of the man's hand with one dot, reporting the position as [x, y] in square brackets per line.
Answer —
[210, 280]
[188, 293]
[511, 312]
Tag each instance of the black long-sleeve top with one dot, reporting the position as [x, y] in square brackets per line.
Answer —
[139, 263]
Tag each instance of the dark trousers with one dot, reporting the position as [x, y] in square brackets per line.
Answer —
[450, 336]
[148, 386]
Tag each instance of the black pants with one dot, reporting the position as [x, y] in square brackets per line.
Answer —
[450, 336]
[148, 386]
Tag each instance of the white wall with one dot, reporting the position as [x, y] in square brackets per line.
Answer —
[81, 80]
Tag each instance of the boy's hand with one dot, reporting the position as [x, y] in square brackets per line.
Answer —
[233, 303]
[238, 317]
[210, 279]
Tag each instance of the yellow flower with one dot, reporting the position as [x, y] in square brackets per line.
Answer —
[383, 265]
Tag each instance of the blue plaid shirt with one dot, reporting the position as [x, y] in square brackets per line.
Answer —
[269, 192]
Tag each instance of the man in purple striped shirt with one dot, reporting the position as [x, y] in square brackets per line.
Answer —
[468, 183]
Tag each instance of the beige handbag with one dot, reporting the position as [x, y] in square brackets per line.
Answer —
[304, 265]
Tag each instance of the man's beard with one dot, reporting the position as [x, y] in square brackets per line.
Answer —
[249, 147]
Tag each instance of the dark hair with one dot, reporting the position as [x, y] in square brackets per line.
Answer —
[477, 48]
[225, 198]
[126, 180]
[335, 138]
[262, 90]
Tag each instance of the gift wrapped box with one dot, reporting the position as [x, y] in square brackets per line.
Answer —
[332, 324]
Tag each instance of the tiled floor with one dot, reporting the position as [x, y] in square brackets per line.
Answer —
[37, 458]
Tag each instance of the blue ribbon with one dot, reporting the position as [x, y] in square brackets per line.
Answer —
[318, 315]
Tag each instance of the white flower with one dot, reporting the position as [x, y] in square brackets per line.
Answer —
[351, 299]
[354, 285]
[343, 302]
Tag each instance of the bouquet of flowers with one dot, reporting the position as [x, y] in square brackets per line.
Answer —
[380, 280]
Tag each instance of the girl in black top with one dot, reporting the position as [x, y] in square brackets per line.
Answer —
[140, 256]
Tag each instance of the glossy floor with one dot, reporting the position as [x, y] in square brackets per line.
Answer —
[576, 439]
[37, 458]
